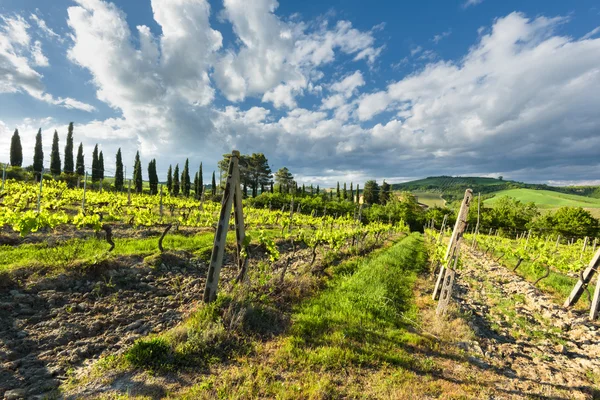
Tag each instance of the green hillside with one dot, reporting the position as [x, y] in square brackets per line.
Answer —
[546, 198]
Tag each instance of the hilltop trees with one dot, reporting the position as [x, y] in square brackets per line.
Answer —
[137, 173]
[16, 150]
[119, 171]
[68, 166]
[384, 195]
[80, 161]
[38, 154]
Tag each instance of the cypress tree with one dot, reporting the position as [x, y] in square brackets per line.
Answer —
[16, 150]
[337, 192]
[38, 154]
[153, 177]
[357, 194]
[200, 182]
[331, 195]
[68, 166]
[196, 191]
[170, 179]
[384, 193]
[271, 186]
[176, 180]
[80, 161]
[101, 165]
[185, 179]
[137, 173]
[55, 156]
[318, 190]
[214, 184]
[345, 192]
[351, 193]
[95, 166]
[119, 171]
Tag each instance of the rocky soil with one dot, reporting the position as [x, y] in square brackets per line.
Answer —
[50, 327]
[539, 349]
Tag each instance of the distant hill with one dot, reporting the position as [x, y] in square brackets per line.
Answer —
[453, 188]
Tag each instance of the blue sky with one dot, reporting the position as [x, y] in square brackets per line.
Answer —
[335, 90]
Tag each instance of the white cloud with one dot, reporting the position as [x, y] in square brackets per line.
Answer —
[591, 33]
[18, 56]
[44, 28]
[437, 38]
[470, 3]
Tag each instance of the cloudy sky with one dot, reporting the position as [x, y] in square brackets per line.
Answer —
[332, 89]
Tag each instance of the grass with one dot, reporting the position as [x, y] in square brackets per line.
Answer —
[75, 252]
[546, 199]
[430, 199]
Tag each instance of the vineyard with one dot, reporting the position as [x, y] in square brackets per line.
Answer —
[108, 294]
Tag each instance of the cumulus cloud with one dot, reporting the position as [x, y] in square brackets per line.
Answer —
[18, 57]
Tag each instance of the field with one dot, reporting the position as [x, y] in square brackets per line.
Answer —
[546, 199]
[430, 199]
[104, 299]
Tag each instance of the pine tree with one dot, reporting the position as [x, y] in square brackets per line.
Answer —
[38, 154]
[371, 192]
[153, 177]
[214, 184]
[337, 192]
[55, 156]
[80, 161]
[176, 180]
[185, 179]
[384, 195]
[16, 150]
[170, 179]
[119, 178]
[101, 166]
[95, 166]
[137, 173]
[68, 166]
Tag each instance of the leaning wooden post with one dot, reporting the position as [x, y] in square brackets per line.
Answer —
[477, 224]
[595, 308]
[84, 190]
[459, 228]
[581, 284]
[240, 230]
[441, 235]
[216, 259]
[557, 242]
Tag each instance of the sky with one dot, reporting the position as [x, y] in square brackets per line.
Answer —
[335, 90]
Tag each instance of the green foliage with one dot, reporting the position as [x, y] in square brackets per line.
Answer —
[80, 161]
[55, 156]
[153, 177]
[137, 173]
[119, 178]
[149, 353]
[568, 221]
[371, 193]
[384, 195]
[38, 154]
[16, 150]
[285, 179]
[68, 163]
[176, 186]
[185, 179]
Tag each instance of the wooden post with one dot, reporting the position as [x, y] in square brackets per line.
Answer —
[557, 242]
[490, 232]
[527, 241]
[581, 284]
[84, 190]
[3, 177]
[459, 229]
[216, 259]
[78, 181]
[129, 193]
[240, 230]
[291, 215]
[161, 201]
[583, 248]
[441, 235]
[446, 291]
[39, 199]
[595, 302]
[595, 242]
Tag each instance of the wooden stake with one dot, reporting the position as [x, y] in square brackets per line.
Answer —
[595, 302]
[557, 242]
[161, 201]
[216, 259]
[84, 190]
[581, 284]
[39, 199]
[441, 235]
[240, 229]
[583, 248]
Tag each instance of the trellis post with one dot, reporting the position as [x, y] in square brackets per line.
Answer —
[580, 286]
[84, 190]
[232, 192]
[39, 199]
[442, 282]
